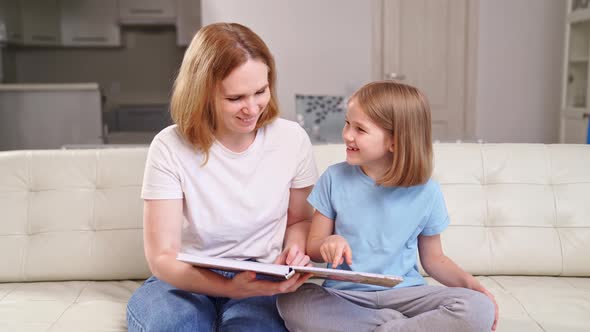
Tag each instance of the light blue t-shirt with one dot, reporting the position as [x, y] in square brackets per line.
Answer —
[381, 224]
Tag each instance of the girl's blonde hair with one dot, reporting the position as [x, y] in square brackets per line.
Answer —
[214, 52]
[403, 111]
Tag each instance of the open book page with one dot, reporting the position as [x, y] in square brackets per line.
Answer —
[351, 276]
[281, 271]
[286, 272]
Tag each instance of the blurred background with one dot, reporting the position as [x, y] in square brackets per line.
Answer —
[83, 73]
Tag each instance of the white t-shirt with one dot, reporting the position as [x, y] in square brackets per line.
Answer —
[236, 205]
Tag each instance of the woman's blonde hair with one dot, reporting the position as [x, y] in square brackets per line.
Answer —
[214, 52]
[403, 111]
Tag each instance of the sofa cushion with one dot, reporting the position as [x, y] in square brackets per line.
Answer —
[527, 304]
[540, 304]
[65, 306]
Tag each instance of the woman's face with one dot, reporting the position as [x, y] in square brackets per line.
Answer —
[243, 94]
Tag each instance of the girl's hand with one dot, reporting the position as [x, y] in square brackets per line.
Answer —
[245, 284]
[293, 256]
[336, 250]
[487, 293]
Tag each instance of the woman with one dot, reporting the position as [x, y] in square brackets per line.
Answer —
[230, 180]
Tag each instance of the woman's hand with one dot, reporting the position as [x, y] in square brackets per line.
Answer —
[245, 284]
[293, 256]
[336, 250]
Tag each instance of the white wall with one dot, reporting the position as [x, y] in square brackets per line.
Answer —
[320, 47]
[519, 70]
[324, 47]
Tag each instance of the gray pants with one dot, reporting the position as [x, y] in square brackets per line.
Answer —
[421, 308]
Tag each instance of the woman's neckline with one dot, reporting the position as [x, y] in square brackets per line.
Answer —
[225, 149]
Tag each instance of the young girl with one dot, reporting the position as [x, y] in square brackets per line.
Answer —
[373, 213]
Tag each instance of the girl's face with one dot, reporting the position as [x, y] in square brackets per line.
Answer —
[367, 144]
[242, 97]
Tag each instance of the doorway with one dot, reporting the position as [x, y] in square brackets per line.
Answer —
[431, 44]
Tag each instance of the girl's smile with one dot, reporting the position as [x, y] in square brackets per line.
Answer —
[367, 144]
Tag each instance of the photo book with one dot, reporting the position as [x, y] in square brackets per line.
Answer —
[286, 271]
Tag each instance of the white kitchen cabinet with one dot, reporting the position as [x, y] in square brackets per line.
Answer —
[90, 23]
[575, 101]
[40, 22]
[188, 21]
[147, 12]
[10, 16]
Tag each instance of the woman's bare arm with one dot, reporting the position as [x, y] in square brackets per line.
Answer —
[299, 216]
[162, 240]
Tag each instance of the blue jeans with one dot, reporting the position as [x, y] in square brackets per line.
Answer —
[159, 306]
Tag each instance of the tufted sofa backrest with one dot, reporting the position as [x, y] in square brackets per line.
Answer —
[515, 209]
[520, 209]
[71, 215]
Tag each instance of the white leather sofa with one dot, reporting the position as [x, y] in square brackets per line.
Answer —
[71, 239]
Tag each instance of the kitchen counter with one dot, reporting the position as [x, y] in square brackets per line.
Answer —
[48, 116]
[49, 87]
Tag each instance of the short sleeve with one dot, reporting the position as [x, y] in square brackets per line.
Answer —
[161, 179]
[306, 173]
[320, 197]
[439, 217]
